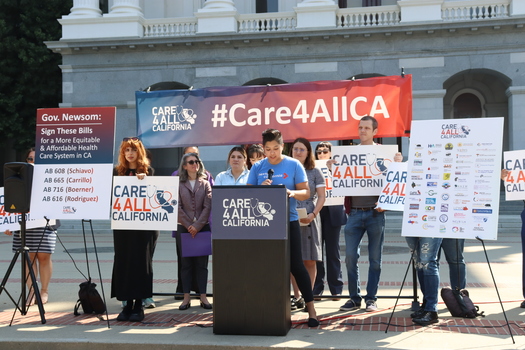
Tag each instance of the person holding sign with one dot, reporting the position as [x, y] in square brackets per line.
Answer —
[364, 216]
[132, 278]
[278, 169]
[505, 177]
[194, 212]
[41, 242]
[237, 173]
[311, 249]
[332, 218]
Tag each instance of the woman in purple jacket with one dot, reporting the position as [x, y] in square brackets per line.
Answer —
[194, 212]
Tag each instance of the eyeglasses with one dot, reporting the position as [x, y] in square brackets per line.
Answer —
[192, 162]
[325, 151]
[130, 139]
[30, 159]
[299, 150]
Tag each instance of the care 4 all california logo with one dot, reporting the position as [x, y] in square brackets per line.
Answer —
[172, 118]
[454, 131]
[247, 212]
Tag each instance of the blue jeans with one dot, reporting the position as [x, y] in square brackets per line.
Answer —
[453, 249]
[425, 252]
[359, 222]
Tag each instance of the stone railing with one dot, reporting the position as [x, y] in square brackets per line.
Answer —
[161, 27]
[357, 17]
[474, 10]
[267, 22]
[368, 16]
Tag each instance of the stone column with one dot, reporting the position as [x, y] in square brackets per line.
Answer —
[85, 8]
[126, 8]
[516, 124]
[219, 5]
[217, 16]
[316, 13]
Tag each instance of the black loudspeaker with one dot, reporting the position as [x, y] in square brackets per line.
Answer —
[18, 178]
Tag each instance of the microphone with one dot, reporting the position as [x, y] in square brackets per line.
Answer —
[270, 174]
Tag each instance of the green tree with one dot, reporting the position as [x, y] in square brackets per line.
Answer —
[29, 74]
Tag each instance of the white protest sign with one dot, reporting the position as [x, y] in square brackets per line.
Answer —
[11, 221]
[330, 198]
[514, 162]
[453, 178]
[393, 194]
[148, 204]
[74, 163]
[360, 170]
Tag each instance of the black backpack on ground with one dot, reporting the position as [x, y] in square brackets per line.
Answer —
[89, 299]
[459, 303]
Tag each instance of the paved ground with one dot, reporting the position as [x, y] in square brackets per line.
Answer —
[165, 327]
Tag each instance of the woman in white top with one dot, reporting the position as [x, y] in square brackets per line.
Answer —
[237, 173]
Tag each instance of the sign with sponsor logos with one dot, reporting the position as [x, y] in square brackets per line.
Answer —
[147, 204]
[73, 163]
[330, 198]
[394, 193]
[453, 178]
[237, 115]
[514, 162]
[250, 212]
[360, 170]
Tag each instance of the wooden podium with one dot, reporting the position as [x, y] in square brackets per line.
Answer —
[251, 260]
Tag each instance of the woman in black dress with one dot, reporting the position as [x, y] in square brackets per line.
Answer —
[132, 278]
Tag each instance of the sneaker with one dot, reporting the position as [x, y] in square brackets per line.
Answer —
[428, 317]
[148, 303]
[371, 306]
[350, 306]
[298, 303]
[418, 313]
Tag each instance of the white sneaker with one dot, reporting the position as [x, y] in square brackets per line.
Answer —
[148, 303]
[371, 306]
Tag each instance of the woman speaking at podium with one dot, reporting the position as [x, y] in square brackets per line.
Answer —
[278, 169]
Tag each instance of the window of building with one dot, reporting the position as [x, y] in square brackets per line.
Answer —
[367, 3]
[467, 105]
[263, 6]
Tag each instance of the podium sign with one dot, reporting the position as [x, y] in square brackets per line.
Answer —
[251, 260]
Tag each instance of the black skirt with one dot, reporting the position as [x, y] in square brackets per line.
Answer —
[133, 264]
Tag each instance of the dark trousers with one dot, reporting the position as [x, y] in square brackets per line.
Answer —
[198, 266]
[330, 239]
[523, 251]
[297, 268]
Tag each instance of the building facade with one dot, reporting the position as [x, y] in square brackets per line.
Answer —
[467, 58]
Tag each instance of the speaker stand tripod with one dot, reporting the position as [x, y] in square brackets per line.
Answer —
[23, 252]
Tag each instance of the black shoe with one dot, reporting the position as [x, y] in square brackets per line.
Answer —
[418, 313]
[313, 322]
[427, 318]
[124, 314]
[206, 306]
[297, 303]
[522, 305]
[185, 306]
[136, 315]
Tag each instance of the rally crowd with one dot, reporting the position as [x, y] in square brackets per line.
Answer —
[132, 277]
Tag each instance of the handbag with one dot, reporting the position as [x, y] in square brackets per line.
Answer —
[89, 299]
[459, 303]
